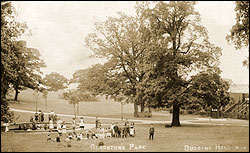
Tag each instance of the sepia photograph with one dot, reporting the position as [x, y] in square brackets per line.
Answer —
[124, 76]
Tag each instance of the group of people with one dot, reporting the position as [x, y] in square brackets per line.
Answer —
[123, 130]
[39, 117]
[99, 132]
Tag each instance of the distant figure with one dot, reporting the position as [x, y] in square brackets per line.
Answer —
[151, 132]
[58, 138]
[36, 117]
[96, 122]
[55, 118]
[31, 119]
[64, 128]
[51, 125]
[39, 116]
[81, 123]
[58, 124]
[112, 129]
[74, 124]
[51, 115]
[42, 117]
[126, 128]
[116, 129]
[48, 137]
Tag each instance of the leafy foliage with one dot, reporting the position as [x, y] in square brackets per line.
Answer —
[239, 34]
[55, 81]
[26, 67]
[152, 56]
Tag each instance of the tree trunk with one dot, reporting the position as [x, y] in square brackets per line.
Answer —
[46, 103]
[77, 108]
[15, 99]
[74, 109]
[142, 107]
[176, 117]
[136, 110]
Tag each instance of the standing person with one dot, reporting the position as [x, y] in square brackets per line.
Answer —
[36, 117]
[58, 124]
[151, 132]
[64, 128]
[127, 128]
[42, 117]
[51, 115]
[55, 118]
[74, 124]
[96, 122]
[31, 119]
[39, 116]
[112, 129]
[81, 123]
[51, 125]
[116, 128]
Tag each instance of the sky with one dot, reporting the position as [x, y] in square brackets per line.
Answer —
[59, 29]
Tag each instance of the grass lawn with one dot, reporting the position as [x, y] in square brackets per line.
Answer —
[186, 138]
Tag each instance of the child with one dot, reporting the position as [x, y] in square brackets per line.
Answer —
[36, 117]
[31, 119]
[151, 132]
[49, 137]
[51, 125]
[81, 123]
[79, 137]
[58, 138]
[70, 136]
[74, 124]
[64, 128]
[74, 135]
[132, 131]
[68, 141]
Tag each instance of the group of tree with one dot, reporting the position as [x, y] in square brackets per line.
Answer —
[159, 58]
[20, 65]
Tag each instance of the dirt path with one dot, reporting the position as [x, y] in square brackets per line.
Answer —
[205, 121]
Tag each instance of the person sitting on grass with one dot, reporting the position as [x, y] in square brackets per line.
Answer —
[79, 137]
[70, 136]
[67, 140]
[74, 135]
[49, 138]
[34, 126]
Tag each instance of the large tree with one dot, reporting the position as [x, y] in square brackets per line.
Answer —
[121, 41]
[157, 53]
[27, 68]
[239, 34]
[179, 45]
[55, 81]
[10, 31]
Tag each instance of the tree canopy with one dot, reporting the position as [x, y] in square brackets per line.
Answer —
[239, 33]
[55, 81]
[152, 56]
